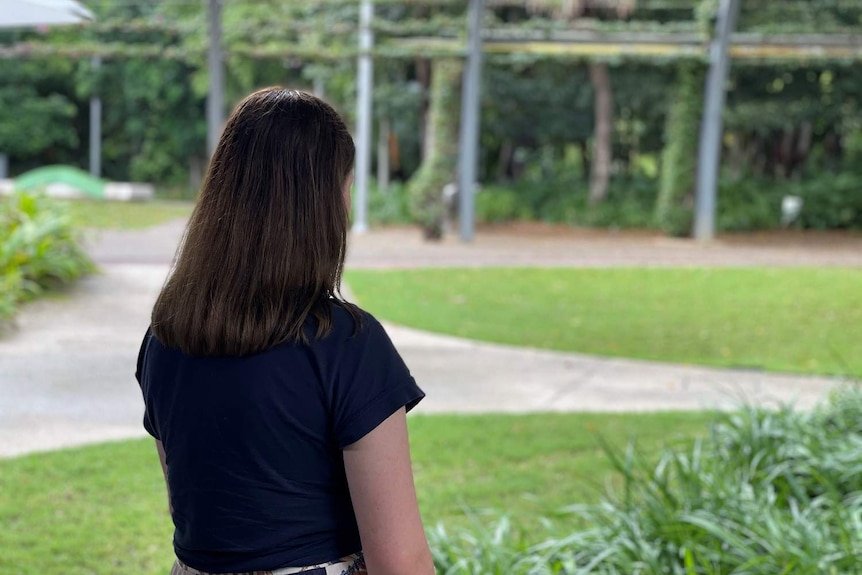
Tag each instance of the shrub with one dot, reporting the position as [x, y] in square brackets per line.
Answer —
[564, 200]
[767, 492]
[389, 207]
[499, 550]
[38, 249]
[832, 201]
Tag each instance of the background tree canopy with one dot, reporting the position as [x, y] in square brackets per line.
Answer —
[553, 126]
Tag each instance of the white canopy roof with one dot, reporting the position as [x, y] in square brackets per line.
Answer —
[30, 13]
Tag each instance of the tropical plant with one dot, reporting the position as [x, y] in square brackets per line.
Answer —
[39, 249]
[768, 491]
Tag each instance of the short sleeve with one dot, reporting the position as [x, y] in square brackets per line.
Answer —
[371, 383]
[140, 376]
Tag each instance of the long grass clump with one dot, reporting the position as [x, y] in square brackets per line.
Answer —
[39, 250]
[766, 492]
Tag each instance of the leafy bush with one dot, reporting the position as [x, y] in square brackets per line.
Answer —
[767, 492]
[499, 550]
[832, 201]
[563, 200]
[38, 249]
[389, 207]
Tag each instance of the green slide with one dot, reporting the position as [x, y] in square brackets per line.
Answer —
[73, 177]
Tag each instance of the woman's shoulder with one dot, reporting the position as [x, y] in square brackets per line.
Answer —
[350, 321]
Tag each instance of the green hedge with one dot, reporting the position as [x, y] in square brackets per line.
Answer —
[832, 201]
[39, 250]
[767, 492]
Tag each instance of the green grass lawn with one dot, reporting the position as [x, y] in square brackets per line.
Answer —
[795, 320]
[126, 215]
[101, 510]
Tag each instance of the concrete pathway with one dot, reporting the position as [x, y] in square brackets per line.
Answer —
[67, 369]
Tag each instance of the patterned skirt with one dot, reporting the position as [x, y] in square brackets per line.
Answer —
[350, 565]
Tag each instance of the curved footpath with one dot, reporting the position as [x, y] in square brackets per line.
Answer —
[67, 368]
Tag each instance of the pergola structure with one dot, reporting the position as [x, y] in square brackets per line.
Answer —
[725, 45]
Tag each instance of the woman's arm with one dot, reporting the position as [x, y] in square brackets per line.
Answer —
[384, 500]
[161, 449]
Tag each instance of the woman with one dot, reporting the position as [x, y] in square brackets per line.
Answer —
[278, 409]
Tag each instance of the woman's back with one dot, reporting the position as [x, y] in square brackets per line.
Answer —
[253, 444]
[278, 408]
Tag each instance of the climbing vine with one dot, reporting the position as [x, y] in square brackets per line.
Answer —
[675, 203]
[441, 144]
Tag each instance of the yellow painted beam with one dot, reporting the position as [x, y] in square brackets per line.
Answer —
[593, 49]
[777, 52]
[646, 50]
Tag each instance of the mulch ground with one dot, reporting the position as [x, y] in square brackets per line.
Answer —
[549, 245]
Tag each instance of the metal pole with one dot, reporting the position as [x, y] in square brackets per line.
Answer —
[712, 128]
[96, 126]
[364, 88]
[468, 146]
[215, 63]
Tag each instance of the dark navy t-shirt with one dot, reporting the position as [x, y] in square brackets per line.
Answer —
[253, 444]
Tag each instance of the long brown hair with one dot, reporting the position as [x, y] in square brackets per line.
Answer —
[264, 248]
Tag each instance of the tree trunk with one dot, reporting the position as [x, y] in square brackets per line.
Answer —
[423, 75]
[383, 155]
[785, 164]
[586, 164]
[803, 146]
[196, 174]
[603, 137]
[504, 161]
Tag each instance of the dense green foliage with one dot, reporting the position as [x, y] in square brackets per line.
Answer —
[35, 117]
[800, 320]
[831, 201]
[101, 510]
[790, 122]
[39, 250]
[767, 492]
[565, 200]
